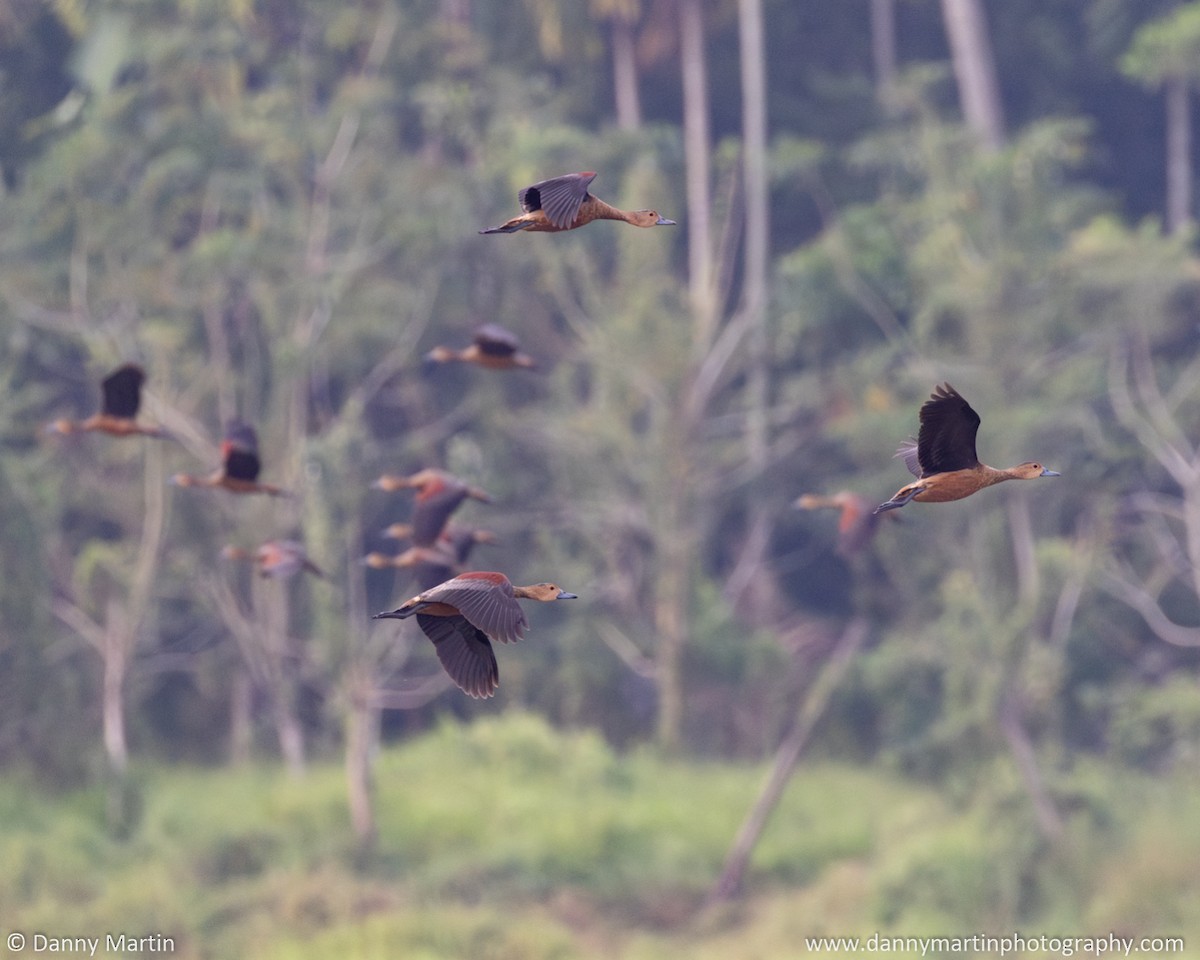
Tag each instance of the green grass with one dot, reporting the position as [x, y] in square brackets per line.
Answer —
[506, 839]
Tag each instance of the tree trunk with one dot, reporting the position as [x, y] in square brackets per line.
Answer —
[698, 176]
[975, 70]
[241, 710]
[754, 286]
[289, 731]
[671, 624]
[812, 706]
[113, 702]
[1179, 156]
[756, 200]
[625, 75]
[883, 52]
[361, 721]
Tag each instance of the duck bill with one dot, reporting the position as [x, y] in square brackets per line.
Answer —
[563, 595]
[389, 615]
[1049, 473]
[664, 222]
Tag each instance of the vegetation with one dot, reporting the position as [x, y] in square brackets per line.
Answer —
[504, 838]
[273, 206]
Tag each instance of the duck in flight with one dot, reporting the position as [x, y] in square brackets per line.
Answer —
[278, 559]
[564, 203]
[463, 615]
[492, 347]
[943, 459]
[439, 494]
[120, 399]
[240, 465]
[857, 521]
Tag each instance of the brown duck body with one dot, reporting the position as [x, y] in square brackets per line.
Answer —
[463, 615]
[943, 456]
[564, 203]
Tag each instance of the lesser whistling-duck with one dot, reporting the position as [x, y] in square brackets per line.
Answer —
[492, 347]
[564, 203]
[432, 565]
[121, 396]
[429, 565]
[943, 455]
[857, 520]
[463, 615]
[240, 465]
[279, 559]
[459, 538]
[438, 495]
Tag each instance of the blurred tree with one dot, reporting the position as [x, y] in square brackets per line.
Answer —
[35, 79]
[975, 70]
[1166, 53]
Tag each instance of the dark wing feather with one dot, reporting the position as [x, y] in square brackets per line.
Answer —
[489, 606]
[239, 451]
[495, 341]
[122, 391]
[240, 465]
[430, 513]
[465, 652]
[558, 198]
[946, 440]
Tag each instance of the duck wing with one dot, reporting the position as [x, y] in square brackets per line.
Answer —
[495, 341]
[122, 391]
[239, 451]
[559, 198]
[488, 603]
[907, 451]
[432, 509]
[465, 653]
[946, 440]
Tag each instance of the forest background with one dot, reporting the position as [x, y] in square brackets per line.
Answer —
[273, 205]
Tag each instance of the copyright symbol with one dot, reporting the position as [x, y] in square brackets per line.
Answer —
[16, 941]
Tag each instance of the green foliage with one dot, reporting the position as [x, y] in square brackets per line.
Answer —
[1155, 727]
[1165, 48]
[506, 838]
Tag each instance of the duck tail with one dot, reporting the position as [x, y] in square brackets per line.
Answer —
[513, 226]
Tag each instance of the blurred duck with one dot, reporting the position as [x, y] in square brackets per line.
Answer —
[458, 538]
[240, 465]
[943, 459]
[430, 565]
[857, 520]
[276, 558]
[463, 615]
[439, 494]
[564, 203]
[493, 348]
[121, 396]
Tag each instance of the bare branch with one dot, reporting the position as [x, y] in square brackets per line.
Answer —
[1135, 596]
[628, 651]
[75, 618]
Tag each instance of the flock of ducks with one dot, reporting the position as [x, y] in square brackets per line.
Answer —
[463, 611]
